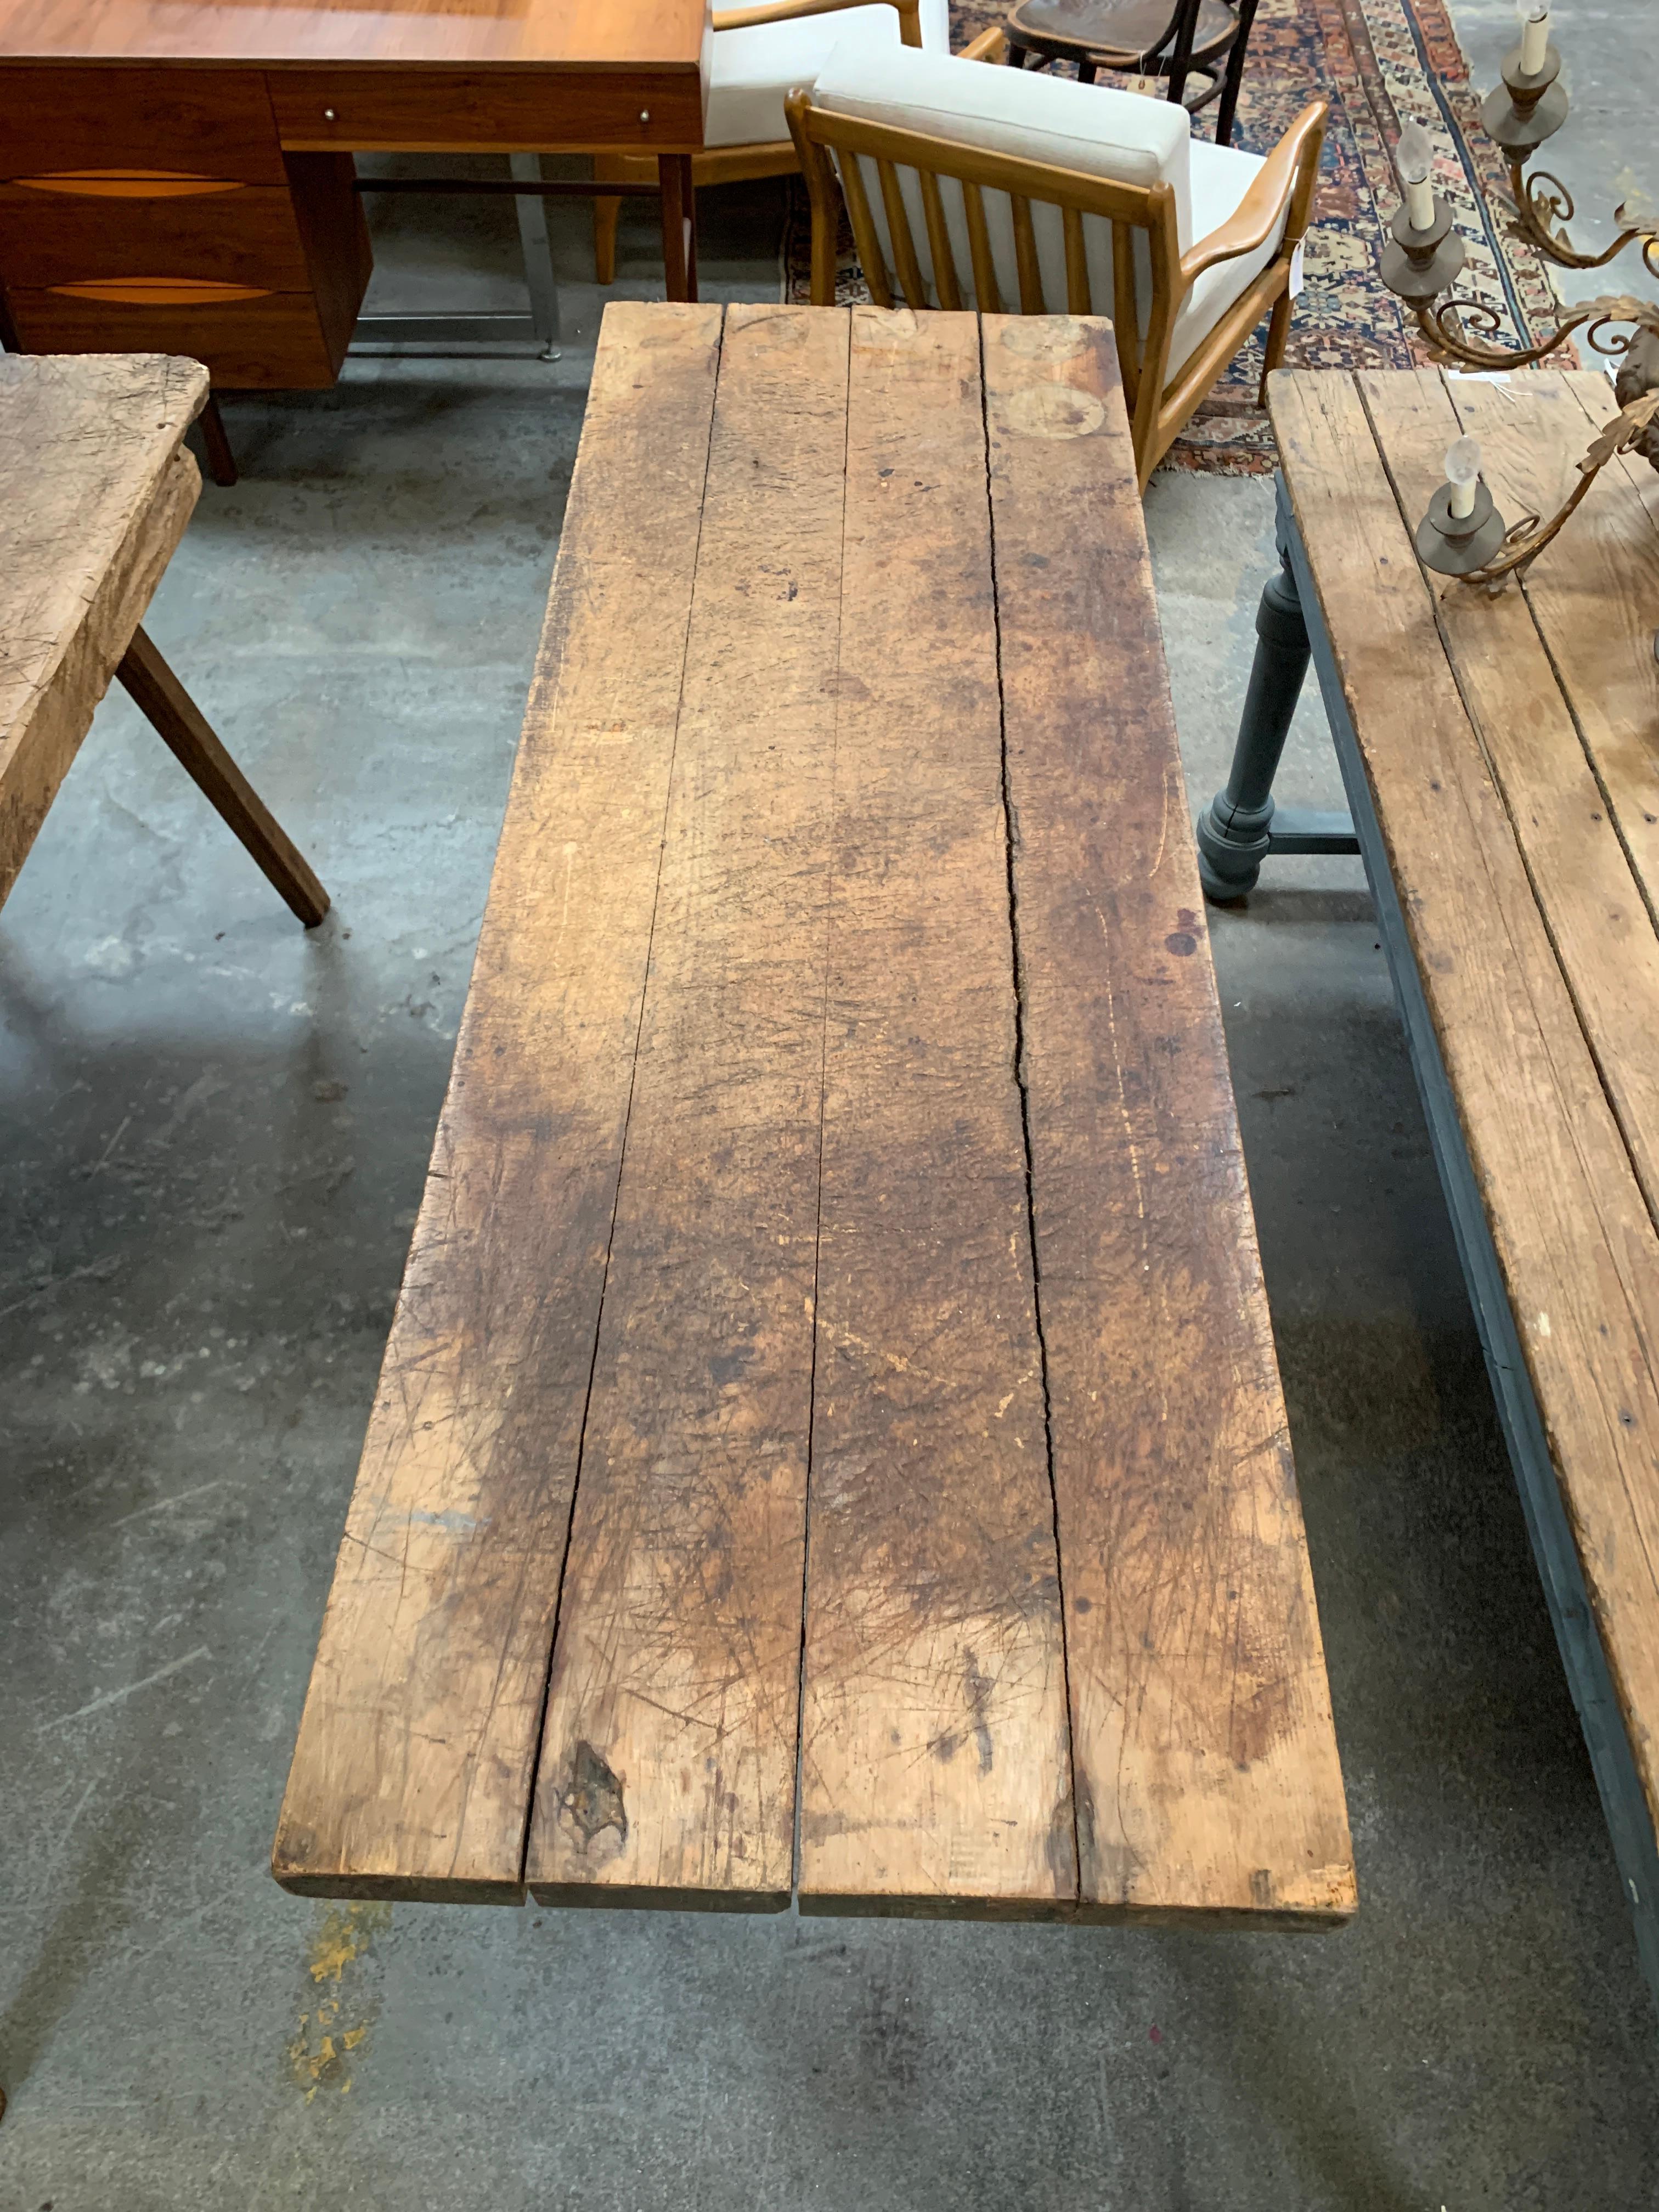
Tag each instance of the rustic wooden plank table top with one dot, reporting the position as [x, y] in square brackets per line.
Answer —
[96, 486]
[1509, 751]
[831, 1440]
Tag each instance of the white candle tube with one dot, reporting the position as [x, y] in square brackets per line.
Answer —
[1535, 37]
[1413, 157]
[1462, 474]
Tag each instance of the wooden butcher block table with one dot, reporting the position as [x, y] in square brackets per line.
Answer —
[830, 1440]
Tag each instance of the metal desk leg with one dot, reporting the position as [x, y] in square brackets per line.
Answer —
[538, 253]
[1241, 826]
[1624, 1803]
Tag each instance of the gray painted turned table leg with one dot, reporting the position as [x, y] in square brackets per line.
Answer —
[1241, 826]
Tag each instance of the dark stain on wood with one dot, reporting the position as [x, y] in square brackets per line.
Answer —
[593, 1803]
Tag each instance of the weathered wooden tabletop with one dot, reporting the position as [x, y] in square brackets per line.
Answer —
[95, 490]
[830, 1437]
[1510, 746]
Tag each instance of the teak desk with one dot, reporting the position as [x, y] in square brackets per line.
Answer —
[178, 178]
[834, 1344]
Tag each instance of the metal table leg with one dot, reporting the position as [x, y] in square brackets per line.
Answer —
[1241, 826]
[1623, 1802]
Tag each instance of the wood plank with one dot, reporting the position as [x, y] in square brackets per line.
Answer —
[1577, 1250]
[95, 490]
[668, 1763]
[1595, 591]
[602, 36]
[1601, 928]
[413, 1771]
[1207, 1777]
[935, 1774]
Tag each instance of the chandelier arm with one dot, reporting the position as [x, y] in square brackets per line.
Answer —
[1441, 323]
[1535, 209]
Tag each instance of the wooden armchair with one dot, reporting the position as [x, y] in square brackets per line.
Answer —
[970, 187]
[759, 55]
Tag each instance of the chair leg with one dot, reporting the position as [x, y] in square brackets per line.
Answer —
[606, 213]
[1278, 331]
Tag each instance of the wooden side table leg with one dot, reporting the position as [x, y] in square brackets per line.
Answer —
[679, 225]
[182, 728]
[221, 462]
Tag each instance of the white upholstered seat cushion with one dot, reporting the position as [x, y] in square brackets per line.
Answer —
[752, 70]
[1058, 121]
[1221, 176]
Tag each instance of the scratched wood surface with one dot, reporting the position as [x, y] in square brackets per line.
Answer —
[837, 1228]
[1504, 739]
[95, 490]
[416, 1750]
[1206, 1759]
[668, 1762]
[934, 1759]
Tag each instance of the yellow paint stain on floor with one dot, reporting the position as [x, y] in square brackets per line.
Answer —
[320, 2054]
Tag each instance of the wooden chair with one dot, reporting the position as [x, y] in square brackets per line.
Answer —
[759, 55]
[1203, 39]
[1187, 247]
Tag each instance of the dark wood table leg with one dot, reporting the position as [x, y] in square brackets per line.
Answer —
[1235, 76]
[1180, 59]
[221, 462]
[183, 729]
[679, 225]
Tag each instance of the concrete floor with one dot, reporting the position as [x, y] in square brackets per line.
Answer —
[213, 1130]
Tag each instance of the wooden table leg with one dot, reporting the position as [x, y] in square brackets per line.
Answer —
[180, 722]
[221, 462]
[679, 225]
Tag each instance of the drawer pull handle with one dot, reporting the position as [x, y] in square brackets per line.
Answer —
[160, 292]
[129, 183]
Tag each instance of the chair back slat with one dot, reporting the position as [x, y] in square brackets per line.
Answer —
[988, 298]
[1031, 301]
[871, 258]
[1125, 321]
[1079, 299]
[939, 242]
[906, 266]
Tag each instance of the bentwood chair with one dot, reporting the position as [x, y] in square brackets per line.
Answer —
[758, 55]
[970, 187]
[1195, 48]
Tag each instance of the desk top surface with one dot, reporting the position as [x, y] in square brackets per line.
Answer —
[1512, 749]
[833, 1350]
[395, 33]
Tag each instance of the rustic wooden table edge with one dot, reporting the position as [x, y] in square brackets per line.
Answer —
[1624, 1802]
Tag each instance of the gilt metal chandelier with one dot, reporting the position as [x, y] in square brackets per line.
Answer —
[1463, 534]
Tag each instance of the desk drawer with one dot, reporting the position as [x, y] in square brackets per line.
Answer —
[449, 111]
[241, 234]
[206, 123]
[272, 342]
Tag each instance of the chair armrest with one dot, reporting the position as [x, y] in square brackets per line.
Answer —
[991, 45]
[1286, 175]
[786, 11]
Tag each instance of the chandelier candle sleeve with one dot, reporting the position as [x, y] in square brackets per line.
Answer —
[1462, 474]
[1534, 34]
[1413, 157]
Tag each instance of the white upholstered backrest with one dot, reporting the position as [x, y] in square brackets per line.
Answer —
[1037, 117]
